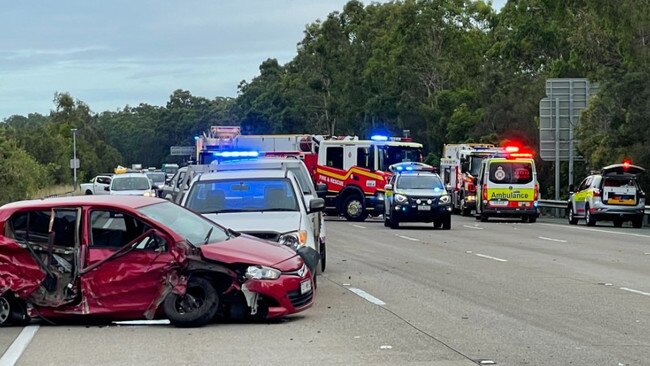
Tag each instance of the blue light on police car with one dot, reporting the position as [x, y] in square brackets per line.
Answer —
[237, 154]
[399, 168]
[379, 138]
[409, 168]
[196, 138]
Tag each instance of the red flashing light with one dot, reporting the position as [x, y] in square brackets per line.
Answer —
[512, 149]
[626, 164]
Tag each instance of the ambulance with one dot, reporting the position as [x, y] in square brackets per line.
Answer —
[507, 186]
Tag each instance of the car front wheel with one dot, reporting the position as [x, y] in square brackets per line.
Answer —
[196, 307]
[572, 217]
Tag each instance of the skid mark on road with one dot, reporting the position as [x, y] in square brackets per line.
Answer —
[490, 257]
[18, 347]
[366, 296]
[551, 239]
[407, 237]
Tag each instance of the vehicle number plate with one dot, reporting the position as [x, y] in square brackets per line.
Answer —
[498, 203]
[305, 287]
[424, 208]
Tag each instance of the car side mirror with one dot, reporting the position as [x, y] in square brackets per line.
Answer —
[388, 187]
[571, 188]
[168, 181]
[321, 190]
[316, 205]
[107, 189]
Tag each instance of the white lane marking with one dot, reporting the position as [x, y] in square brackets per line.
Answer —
[359, 226]
[490, 257]
[108, 223]
[408, 238]
[18, 347]
[551, 239]
[635, 291]
[143, 322]
[366, 296]
[598, 230]
[385, 347]
[473, 227]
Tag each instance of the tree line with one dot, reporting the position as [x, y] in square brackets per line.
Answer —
[447, 70]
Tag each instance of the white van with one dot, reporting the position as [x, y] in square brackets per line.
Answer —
[507, 187]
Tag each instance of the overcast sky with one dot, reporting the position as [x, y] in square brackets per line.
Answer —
[113, 53]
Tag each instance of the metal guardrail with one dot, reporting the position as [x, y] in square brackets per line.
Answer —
[563, 205]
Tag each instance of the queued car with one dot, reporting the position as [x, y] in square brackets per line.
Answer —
[132, 184]
[416, 194]
[97, 185]
[309, 189]
[110, 258]
[614, 195]
[268, 204]
[158, 180]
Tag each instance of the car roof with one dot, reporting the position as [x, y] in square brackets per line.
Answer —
[415, 172]
[130, 175]
[130, 202]
[264, 163]
[235, 174]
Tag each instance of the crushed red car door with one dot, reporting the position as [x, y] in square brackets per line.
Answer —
[126, 265]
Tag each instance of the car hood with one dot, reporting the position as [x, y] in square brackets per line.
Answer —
[128, 193]
[279, 222]
[420, 192]
[250, 250]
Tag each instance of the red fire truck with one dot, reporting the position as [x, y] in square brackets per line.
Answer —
[355, 171]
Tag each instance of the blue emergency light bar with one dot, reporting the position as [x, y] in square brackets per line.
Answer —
[236, 154]
[409, 167]
[379, 138]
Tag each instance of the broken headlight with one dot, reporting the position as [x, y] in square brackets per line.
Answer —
[261, 273]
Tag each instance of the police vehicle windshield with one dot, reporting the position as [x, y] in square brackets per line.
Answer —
[429, 182]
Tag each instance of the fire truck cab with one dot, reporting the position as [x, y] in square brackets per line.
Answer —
[356, 171]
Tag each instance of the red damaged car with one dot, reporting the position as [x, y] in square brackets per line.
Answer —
[116, 258]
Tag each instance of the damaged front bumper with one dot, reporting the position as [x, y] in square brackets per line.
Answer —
[285, 295]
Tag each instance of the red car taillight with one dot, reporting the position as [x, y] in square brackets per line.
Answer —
[471, 187]
[485, 196]
[536, 191]
[596, 192]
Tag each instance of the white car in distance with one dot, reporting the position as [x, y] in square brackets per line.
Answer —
[132, 184]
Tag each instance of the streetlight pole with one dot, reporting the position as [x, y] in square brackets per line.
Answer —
[74, 156]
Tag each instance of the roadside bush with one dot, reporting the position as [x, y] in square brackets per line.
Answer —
[20, 175]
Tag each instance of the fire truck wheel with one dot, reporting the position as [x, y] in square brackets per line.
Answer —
[353, 209]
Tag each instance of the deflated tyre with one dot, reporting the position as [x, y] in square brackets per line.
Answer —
[196, 308]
